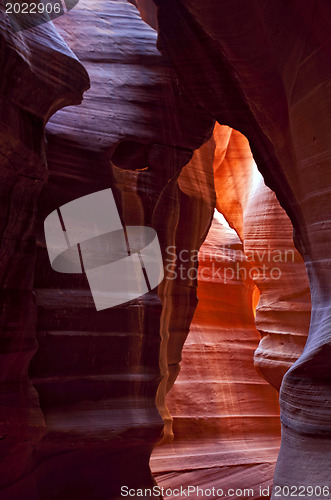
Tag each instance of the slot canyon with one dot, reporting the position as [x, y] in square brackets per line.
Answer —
[210, 123]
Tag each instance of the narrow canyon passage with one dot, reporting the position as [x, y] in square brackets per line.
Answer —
[184, 379]
[252, 283]
[226, 416]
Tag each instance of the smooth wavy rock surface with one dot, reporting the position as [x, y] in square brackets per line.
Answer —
[225, 416]
[80, 390]
[39, 75]
[282, 295]
[97, 373]
[270, 79]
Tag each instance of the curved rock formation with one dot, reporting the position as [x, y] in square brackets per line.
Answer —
[39, 75]
[97, 375]
[218, 395]
[226, 417]
[270, 81]
[277, 268]
[178, 292]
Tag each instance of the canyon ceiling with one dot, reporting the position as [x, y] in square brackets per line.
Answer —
[184, 109]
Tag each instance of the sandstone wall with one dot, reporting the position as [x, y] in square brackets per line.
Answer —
[96, 374]
[276, 267]
[85, 404]
[250, 277]
[270, 80]
[225, 416]
[29, 95]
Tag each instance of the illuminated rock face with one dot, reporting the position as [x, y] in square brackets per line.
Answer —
[93, 417]
[270, 80]
[219, 402]
[222, 408]
[195, 194]
[89, 424]
[276, 267]
[97, 373]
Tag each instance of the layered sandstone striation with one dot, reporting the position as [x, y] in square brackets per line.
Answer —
[250, 277]
[97, 373]
[225, 416]
[270, 80]
[277, 269]
[39, 75]
[80, 419]
[195, 194]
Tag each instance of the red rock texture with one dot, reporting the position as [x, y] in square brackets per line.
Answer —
[270, 81]
[29, 95]
[195, 193]
[226, 417]
[219, 402]
[88, 423]
[277, 269]
[96, 374]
